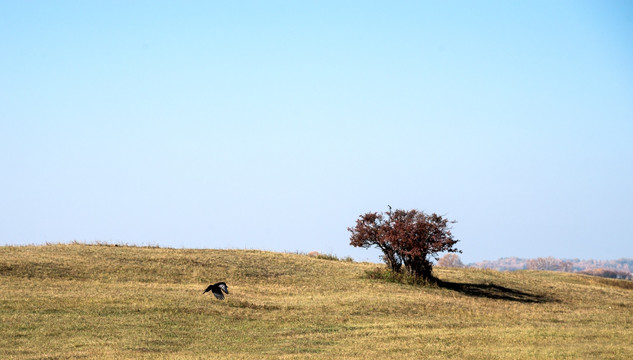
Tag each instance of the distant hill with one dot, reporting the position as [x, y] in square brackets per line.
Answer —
[623, 265]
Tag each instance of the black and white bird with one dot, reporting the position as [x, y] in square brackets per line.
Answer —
[217, 289]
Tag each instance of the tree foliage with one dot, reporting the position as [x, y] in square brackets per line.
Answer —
[450, 260]
[549, 263]
[410, 238]
[570, 265]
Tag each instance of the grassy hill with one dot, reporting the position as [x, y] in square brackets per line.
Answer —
[95, 301]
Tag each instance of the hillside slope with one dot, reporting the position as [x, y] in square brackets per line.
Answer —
[100, 301]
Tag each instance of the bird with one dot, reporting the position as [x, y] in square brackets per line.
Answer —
[217, 289]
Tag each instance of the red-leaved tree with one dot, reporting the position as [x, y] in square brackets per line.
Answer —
[410, 238]
[370, 231]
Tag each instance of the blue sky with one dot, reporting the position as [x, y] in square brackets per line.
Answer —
[274, 125]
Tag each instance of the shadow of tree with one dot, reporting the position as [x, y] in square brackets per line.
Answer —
[492, 291]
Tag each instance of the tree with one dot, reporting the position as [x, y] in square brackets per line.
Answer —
[548, 263]
[370, 231]
[410, 238]
[450, 260]
[566, 266]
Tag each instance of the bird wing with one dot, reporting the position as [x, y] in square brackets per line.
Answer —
[223, 287]
[218, 294]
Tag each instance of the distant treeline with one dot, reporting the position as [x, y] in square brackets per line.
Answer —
[617, 269]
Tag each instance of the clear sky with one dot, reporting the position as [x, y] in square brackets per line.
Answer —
[274, 124]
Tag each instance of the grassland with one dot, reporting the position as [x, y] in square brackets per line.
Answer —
[97, 301]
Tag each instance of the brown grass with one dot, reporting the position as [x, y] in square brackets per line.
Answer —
[101, 301]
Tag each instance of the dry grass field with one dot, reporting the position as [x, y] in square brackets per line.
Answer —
[104, 301]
